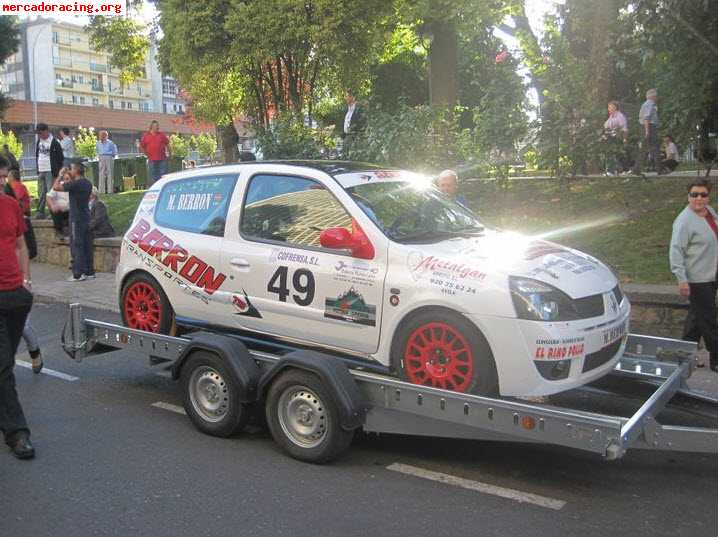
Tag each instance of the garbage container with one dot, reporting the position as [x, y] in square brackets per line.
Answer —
[140, 172]
[92, 171]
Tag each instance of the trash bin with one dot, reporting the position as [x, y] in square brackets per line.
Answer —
[92, 171]
[140, 172]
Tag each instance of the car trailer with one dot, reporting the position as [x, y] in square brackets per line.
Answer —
[314, 401]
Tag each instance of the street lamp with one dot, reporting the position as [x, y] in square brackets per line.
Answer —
[34, 83]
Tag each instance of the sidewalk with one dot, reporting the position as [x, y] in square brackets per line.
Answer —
[49, 285]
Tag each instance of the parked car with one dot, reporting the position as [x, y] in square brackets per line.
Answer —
[373, 263]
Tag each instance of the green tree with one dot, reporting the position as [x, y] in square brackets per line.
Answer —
[86, 142]
[12, 142]
[179, 146]
[8, 46]
[206, 145]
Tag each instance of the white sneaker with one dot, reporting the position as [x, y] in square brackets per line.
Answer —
[90, 277]
[82, 278]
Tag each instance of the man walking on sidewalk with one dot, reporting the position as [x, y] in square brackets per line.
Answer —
[650, 146]
[79, 189]
[15, 304]
[106, 152]
[49, 157]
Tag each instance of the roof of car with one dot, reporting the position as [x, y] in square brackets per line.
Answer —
[331, 167]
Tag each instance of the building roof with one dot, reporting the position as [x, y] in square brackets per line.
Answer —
[66, 115]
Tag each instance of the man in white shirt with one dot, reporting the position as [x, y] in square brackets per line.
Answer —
[49, 157]
[354, 123]
[106, 153]
[68, 146]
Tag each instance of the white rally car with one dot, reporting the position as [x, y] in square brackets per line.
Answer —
[374, 263]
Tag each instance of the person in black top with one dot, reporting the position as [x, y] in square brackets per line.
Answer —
[80, 190]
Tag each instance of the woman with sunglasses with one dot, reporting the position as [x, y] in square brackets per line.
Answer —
[694, 262]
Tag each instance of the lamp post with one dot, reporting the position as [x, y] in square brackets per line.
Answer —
[34, 83]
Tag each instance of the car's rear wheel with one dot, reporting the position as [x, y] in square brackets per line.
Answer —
[144, 306]
[441, 349]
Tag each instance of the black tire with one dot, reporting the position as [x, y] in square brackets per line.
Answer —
[443, 349]
[304, 419]
[210, 396]
[142, 291]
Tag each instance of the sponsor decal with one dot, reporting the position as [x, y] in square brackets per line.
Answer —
[558, 258]
[355, 272]
[537, 249]
[350, 306]
[559, 349]
[282, 256]
[175, 258]
[449, 275]
[192, 201]
[243, 306]
[615, 333]
[148, 203]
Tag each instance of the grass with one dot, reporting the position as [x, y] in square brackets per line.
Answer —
[623, 221]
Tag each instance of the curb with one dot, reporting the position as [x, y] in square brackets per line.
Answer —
[45, 298]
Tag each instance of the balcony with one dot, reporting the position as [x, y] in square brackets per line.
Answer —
[64, 84]
[97, 87]
[101, 68]
[64, 62]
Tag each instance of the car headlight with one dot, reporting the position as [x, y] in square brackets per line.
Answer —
[537, 301]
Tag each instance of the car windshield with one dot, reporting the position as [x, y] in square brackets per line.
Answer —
[410, 212]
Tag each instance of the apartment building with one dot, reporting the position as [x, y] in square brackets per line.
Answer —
[55, 64]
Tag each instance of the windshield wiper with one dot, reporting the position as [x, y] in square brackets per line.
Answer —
[435, 235]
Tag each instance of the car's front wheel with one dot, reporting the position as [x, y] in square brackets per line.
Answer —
[442, 349]
[144, 306]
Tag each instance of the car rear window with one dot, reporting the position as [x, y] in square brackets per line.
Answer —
[197, 204]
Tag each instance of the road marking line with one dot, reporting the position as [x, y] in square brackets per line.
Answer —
[167, 406]
[478, 486]
[46, 371]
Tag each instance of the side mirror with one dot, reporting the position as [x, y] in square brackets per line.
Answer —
[341, 238]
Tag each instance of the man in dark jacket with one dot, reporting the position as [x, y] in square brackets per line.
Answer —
[49, 157]
[100, 225]
[354, 123]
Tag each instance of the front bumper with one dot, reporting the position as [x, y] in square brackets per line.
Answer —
[537, 358]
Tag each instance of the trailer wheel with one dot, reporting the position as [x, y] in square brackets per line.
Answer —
[145, 306]
[304, 419]
[443, 350]
[210, 396]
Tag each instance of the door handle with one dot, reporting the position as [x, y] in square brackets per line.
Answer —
[239, 262]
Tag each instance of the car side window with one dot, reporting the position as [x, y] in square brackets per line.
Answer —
[197, 204]
[290, 209]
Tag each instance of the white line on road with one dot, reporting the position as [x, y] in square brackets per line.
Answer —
[46, 371]
[167, 406]
[478, 486]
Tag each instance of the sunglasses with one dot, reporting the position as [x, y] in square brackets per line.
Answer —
[698, 194]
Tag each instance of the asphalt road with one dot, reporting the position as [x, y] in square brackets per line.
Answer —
[110, 463]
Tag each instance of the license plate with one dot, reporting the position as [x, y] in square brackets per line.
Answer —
[615, 333]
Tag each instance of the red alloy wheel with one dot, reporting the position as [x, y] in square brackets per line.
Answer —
[143, 307]
[438, 355]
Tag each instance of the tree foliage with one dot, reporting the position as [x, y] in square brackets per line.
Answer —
[8, 46]
[125, 40]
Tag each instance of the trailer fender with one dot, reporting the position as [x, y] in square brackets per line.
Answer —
[234, 353]
[334, 374]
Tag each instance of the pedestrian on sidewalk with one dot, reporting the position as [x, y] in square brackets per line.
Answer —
[106, 152]
[49, 157]
[15, 189]
[156, 146]
[694, 258]
[615, 138]
[68, 146]
[15, 304]
[79, 189]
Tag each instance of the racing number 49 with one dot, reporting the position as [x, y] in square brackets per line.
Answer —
[278, 285]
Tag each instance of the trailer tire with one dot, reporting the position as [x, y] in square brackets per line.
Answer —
[145, 306]
[211, 395]
[304, 419]
[443, 349]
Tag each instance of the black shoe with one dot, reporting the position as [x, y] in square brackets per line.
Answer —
[22, 447]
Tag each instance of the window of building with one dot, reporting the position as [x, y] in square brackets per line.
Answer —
[290, 210]
[129, 106]
[123, 104]
[74, 99]
[164, 108]
[197, 205]
[59, 99]
[112, 103]
[55, 37]
[82, 100]
[95, 101]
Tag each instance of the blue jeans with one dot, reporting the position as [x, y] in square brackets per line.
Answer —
[44, 184]
[157, 169]
[83, 259]
[14, 308]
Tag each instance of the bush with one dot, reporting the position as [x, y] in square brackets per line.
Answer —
[289, 138]
[86, 142]
[12, 142]
[206, 145]
[179, 146]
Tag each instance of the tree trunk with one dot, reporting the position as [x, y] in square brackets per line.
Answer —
[443, 64]
[229, 138]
